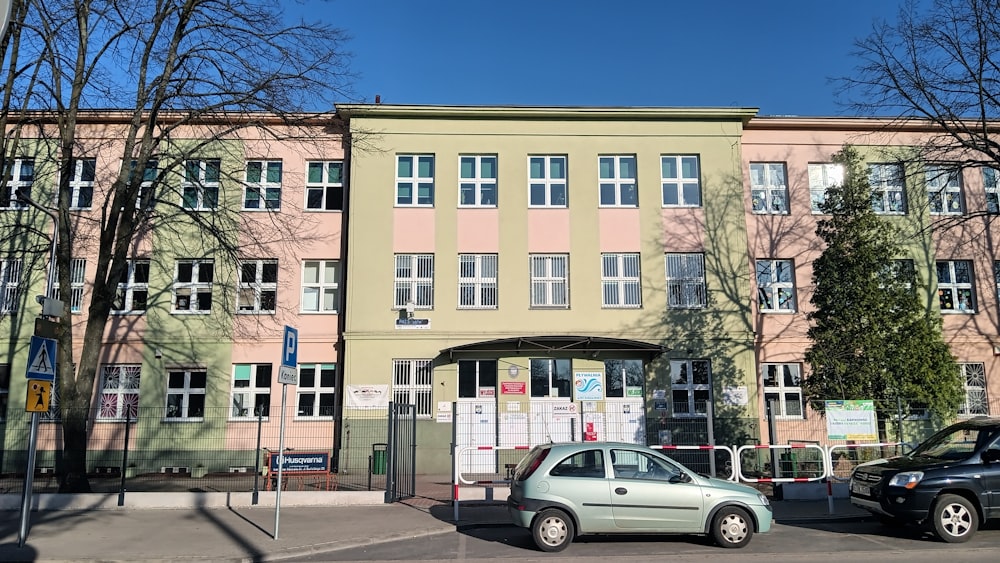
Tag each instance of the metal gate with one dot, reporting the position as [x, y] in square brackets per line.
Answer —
[401, 453]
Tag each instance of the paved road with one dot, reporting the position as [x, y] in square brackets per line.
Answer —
[835, 541]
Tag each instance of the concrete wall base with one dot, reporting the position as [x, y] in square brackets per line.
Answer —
[189, 500]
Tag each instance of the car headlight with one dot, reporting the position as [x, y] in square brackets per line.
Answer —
[906, 479]
[763, 499]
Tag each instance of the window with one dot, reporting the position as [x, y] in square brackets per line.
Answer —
[974, 383]
[414, 281]
[690, 387]
[314, 395]
[477, 184]
[685, 281]
[887, 187]
[822, 177]
[477, 379]
[955, 286]
[617, 181]
[200, 191]
[415, 180]
[412, 384]
[320, 286]
[149, 175]
[550, 280]
[81, 182]
[944, 189]
[782, 384]
[996, 277]
[186, 394]
[588, 464]
[623, 378]
[768, 188]
[620, 281]
[991, 182]
[4, 391]
[680, 178]
[263, 186]
[193, 286]
[20, 177]
[775, 286]
[10, 283]
[325, 186]
[77, 271]
[133, 288]
[258, 291]
[119, 392]
[547, 185]
[630, 464]
[251, 390]
[477, 281]
[551, 378]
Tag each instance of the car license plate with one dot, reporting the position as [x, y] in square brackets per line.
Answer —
[863, 490]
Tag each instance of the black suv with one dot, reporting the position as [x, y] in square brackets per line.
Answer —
[950, 482]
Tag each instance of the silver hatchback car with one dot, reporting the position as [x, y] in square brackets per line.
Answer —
[563, 490]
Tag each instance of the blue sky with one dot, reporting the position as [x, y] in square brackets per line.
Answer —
[777, 55]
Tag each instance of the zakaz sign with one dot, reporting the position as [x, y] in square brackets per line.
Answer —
[302, 461]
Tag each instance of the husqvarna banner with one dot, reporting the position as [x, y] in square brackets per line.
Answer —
[851, 420]
[588, 386]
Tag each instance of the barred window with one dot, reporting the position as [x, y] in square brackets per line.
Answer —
[119, 392]
[974, 383]
[620, 281]
[10, 284]
[477, 281]
[412, 384]
[414, 281]
[685, 275]
[550, 280]
[77, 270]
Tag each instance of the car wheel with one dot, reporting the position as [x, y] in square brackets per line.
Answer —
[732, 527]
[955, 519]
[552, 530]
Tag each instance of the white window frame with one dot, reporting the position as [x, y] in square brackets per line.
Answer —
[944, 189]
[82, 178]
[621, 286]
[477, 281]
[316, 392]
[420, 188]
[201, 185]
[682, 381]
[10, 284]
[118, 394]
[257, 292]
[616, 182]
[413, 384]
[321, 288]
[480, 188]
[329, 187]
[991, 184]
[186, 391]
[769, 188]
[549, 280]
[976, 402]
[483, 376]
[776, 286]
[264, 192]
[685, 280]
[195, 288]
[548, 189]
[248, 395]
[888, 188]
[414, 281]
[624, 378]
[152, 167]
[554, 376]
[822, 177]
[956, 297]
[77, 275]
[21, 178]
[130, 287]
[774, 379]
[679, 183]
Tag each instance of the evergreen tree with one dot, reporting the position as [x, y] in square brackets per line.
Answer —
[872, 337]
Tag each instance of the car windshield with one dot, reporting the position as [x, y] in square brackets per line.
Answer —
[956, 443]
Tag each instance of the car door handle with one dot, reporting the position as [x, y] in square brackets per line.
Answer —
[621, 491]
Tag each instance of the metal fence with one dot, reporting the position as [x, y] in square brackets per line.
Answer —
[214, 451]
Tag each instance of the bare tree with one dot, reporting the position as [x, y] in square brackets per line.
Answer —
[221, 67]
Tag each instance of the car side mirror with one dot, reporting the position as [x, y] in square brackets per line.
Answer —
[991, 456]
[681, 478]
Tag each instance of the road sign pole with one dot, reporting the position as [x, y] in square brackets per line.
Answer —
[29, 482]
[288, 373]
[281, 460]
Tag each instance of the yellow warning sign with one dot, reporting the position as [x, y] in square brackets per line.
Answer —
[39, 393]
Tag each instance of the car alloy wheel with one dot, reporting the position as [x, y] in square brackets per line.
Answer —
[732, 527]
[955, 519]
[552, 530]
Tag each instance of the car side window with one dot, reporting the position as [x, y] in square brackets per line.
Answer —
[629, 464]
[588, 463]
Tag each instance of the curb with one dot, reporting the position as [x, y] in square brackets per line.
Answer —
[318, 548]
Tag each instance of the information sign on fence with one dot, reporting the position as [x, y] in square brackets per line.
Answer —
[851, 420]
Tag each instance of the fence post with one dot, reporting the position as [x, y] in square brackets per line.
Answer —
[256, 463]
[772, 432]
[121, 487]
[899, 419]
[711, 437]
[390, 457]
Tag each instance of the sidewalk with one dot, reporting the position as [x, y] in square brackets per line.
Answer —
[245, 533]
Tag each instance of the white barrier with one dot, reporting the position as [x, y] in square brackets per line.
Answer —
[824, 458]
[460, 480]
[830, 450]
[727, 449]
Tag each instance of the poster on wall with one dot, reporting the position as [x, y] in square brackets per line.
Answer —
[851, 420]
[367, 397]
[593, 427]
[588, 386]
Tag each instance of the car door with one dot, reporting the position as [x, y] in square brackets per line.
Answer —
[647, 494]
[580, 481]
[991, 478]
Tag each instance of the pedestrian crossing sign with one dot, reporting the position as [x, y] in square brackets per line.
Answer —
[39, 393]
[41, 359]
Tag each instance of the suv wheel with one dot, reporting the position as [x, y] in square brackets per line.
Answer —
[552, 530]
[955, 519]
[732, 527]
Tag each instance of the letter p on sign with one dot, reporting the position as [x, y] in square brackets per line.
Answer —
[288, 373]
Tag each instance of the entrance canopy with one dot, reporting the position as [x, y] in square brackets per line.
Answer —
[592, 346]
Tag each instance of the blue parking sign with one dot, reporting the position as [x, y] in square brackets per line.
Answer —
[288, 372]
